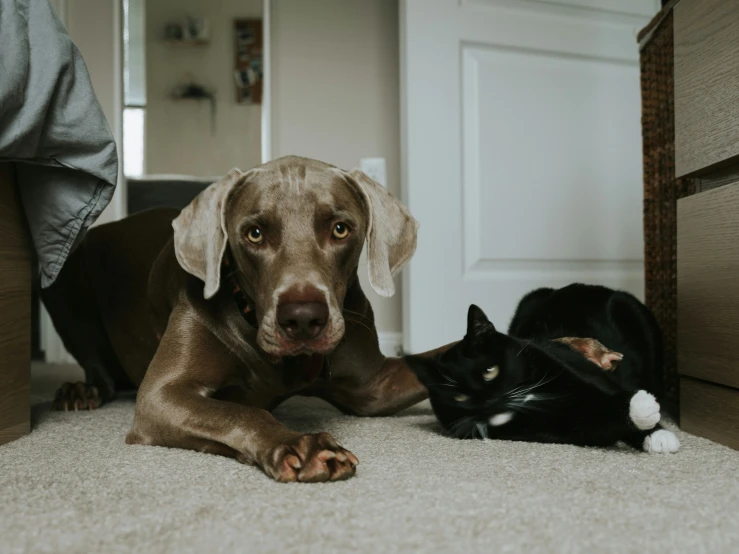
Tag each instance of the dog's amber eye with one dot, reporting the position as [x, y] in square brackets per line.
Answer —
[340, 230]
[491, 373]
[461, 398]
[255, 235]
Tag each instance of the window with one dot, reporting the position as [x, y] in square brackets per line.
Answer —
[134, 88]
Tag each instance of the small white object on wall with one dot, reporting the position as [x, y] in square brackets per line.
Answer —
[375, 168]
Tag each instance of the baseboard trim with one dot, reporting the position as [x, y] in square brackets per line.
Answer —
[391, 343]
[51, 342]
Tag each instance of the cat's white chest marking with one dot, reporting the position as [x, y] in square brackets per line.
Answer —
[501, 419]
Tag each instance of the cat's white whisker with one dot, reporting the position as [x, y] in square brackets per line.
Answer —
[482, 429]
[458, 425]
[524, 391]
[446, 377]
[531, 408]
[524, 348]
[513, 391]
[449, 385]
[543, 381]
[531, 398]
[521, 390]
[454, 427]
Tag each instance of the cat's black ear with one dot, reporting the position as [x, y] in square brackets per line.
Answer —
[478, 323]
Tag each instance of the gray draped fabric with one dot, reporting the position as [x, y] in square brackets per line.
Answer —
[52, 126]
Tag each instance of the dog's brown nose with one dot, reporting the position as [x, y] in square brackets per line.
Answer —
[302, 320]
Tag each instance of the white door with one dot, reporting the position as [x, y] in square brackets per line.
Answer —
[522, 153]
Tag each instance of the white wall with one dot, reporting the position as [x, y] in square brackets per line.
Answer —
[95, 27]
[178, 135]
[335, 94]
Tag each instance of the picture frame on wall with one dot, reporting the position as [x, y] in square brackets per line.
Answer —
[188, 30]
[248, 60]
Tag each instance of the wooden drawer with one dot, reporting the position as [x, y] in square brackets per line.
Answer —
[710, 411]
[15, 313]
[706, 35]
[708, 285]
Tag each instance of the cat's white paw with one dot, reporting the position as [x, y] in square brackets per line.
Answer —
[644, 410]
[661, 442]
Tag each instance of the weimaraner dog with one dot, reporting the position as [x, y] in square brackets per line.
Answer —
[246, 297]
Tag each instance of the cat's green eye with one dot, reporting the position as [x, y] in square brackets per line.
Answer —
[491, 373]
[461, 398]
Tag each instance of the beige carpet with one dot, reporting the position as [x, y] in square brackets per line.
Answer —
[74, 486]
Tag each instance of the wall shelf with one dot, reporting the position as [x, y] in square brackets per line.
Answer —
[184, 43]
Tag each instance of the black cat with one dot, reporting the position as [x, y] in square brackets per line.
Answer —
[535, 385]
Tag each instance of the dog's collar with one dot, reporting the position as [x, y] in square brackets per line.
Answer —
[243, 302]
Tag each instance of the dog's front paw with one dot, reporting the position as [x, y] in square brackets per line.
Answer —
[310, 459]
[661, 442]
[77, 396]
[644, 410]
[595, 351]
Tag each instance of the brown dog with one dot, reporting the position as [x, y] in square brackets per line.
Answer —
[253, 298]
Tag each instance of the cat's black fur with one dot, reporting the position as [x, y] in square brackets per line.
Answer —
[550, 392]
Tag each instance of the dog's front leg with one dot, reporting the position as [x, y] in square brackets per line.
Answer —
[379, 386]
[187, 419]
[174, 408]
[593, 350]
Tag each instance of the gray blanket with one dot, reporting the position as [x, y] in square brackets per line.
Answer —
[52, 126]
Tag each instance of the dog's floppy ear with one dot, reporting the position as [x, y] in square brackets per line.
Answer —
[391, 233]
[200, 232]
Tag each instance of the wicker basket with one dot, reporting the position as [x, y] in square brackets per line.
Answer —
[661, 188]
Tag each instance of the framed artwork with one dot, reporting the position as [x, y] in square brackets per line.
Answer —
[249, 60]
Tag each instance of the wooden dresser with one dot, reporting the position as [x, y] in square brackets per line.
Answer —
[15, 312]
[706, 39]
